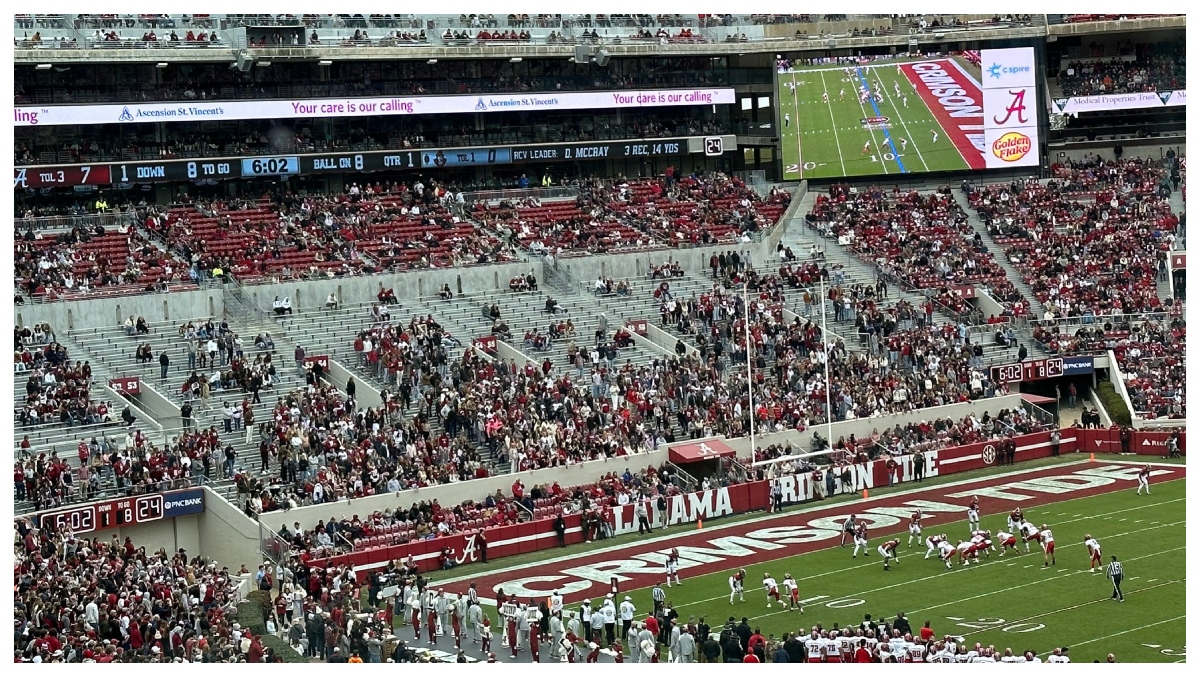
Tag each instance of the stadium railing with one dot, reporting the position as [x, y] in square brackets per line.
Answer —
[110, 218]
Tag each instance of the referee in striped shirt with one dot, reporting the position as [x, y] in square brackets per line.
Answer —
[1116, 573]
[659, 598]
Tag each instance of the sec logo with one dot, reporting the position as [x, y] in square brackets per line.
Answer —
[989, 454]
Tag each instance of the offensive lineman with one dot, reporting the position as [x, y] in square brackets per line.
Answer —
[934, 544]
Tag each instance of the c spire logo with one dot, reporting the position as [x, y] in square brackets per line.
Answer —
[994, 70]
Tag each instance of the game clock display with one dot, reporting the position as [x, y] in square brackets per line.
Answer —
[1030, 370]
[124, 512]
[271, 166]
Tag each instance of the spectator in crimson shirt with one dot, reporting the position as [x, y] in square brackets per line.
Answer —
[750, 658]
[518, 490]
[926, 632]
[755, 640]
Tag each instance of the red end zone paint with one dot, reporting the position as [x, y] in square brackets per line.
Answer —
[955, 101]
[640, 565]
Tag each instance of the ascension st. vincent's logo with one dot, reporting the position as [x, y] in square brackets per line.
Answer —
[481, 105]
[125, 116]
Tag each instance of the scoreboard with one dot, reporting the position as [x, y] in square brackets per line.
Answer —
[1038, 370]
[124, 512]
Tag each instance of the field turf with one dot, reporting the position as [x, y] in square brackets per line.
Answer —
[1006, 602]
[825, 139]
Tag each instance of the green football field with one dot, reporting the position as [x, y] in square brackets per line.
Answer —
[826, 139]
[1009, 602]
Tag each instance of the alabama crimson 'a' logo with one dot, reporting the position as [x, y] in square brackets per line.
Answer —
[470, 551]
[1015, 107]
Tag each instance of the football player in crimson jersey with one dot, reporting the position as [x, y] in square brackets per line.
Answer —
[736, 585]
[860, 540]
[1144, 480]
[914, 528]
[1015, 519]
[1006, 541]
[888, 552]
[1093, 547]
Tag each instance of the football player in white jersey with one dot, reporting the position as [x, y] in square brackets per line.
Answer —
[814, 645]
[1093, 547]
[793, 592]
[934, 544]
[1006, 541]
[771, 588]
[947, 552]
[1047, 547]
[1030, 533]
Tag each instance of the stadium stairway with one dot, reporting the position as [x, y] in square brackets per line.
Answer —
[331, 332]
[801, 238]
[1037, 310]
[113, 348]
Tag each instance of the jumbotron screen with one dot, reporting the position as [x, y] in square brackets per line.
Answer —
[974, 110]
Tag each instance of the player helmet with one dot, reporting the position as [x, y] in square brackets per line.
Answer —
[1044, 526]
[1087, 537]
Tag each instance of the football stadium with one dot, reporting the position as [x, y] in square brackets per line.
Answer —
[599, 338]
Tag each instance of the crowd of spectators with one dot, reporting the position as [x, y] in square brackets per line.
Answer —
[1092, 239]
[82, 261]
[922, 240]
[57, 389]
[1151, 67]
[1151, 358]
[430, 520]
[80, 600]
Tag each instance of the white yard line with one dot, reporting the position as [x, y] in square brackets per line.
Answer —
[760, 519]
[1126, 632]
[833, 121]
[870, 130]
[799, 133]
[911, 139]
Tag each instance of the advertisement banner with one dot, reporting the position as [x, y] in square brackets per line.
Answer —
[690, 508]
[1079, 365]
[210, 111]
[126, 385]
[1111, 102]
[184, 502]
[637, 326]
[1011, 147]
[1179, 261]
[1141, 442]
[1011, 67]
[1010, 108]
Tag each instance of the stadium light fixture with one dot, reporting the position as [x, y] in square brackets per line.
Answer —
[161, 64]
[515, 59]
[44, 66]
[431, 61]
[325, 62]
[262, 63]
